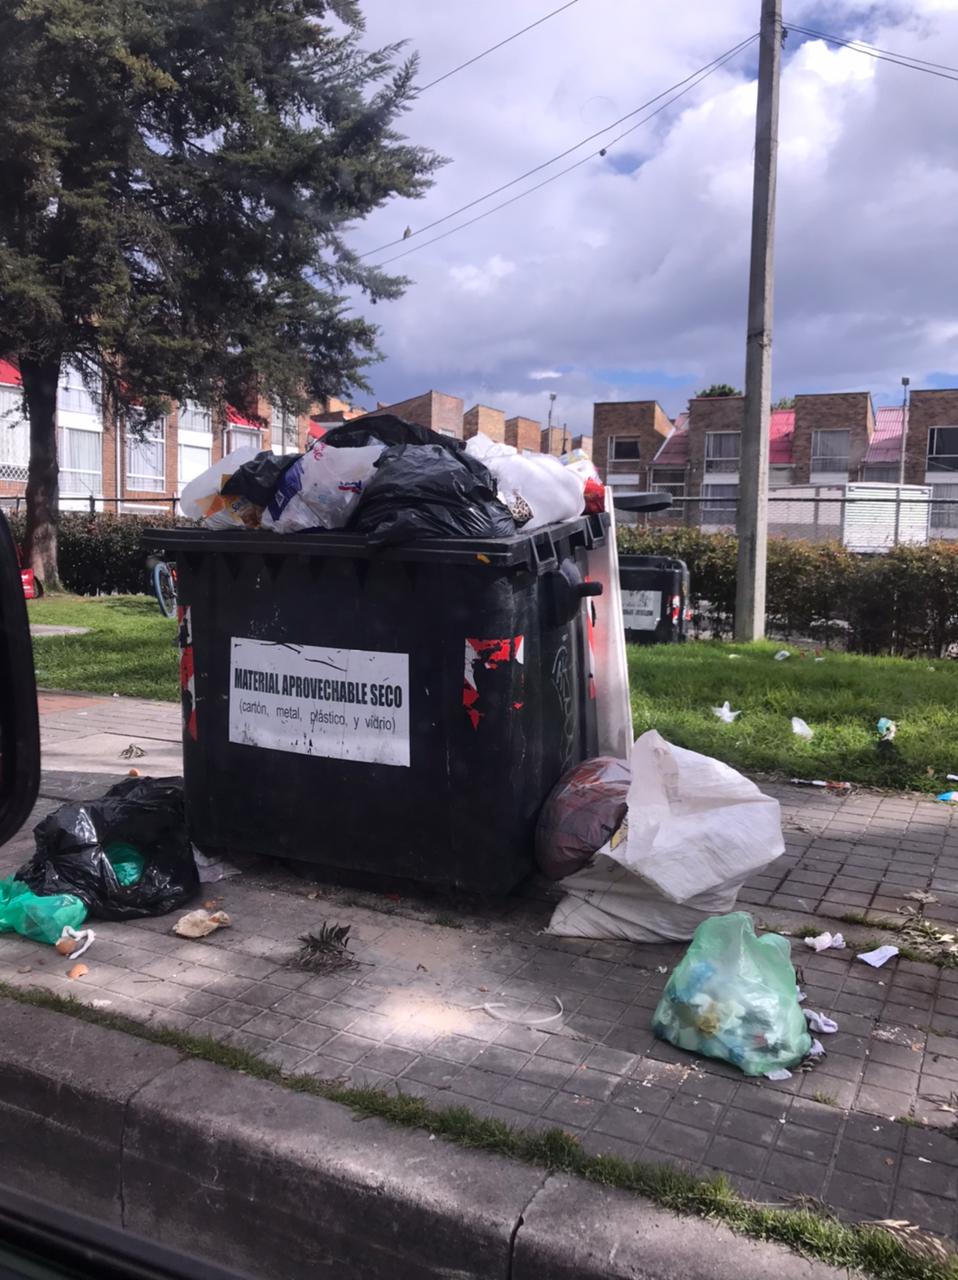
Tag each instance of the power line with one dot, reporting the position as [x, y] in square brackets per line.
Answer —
[703, 75]
[701, 72]
[883, 55]
[492, 48]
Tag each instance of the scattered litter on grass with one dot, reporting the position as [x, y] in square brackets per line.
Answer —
[920, 1244]
[326, 950]
[951, 777]
[132, 752]
[733, 656]
[819, 659]
[782, 655]
[879, 956]
[725, 713]
[78, 971]
[801, 729]
[886, 729]
[200, 923]
[823, 941]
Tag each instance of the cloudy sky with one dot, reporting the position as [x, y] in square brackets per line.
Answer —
[626, 279]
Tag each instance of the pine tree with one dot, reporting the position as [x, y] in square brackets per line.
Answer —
[177, 180]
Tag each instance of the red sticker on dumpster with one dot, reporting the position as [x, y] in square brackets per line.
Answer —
[487, 655]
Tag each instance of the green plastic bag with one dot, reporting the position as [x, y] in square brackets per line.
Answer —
[40, 918]
[733, 996]
[127, 863]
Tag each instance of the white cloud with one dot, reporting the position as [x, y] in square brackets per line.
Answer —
[635, 282]
[545, 375]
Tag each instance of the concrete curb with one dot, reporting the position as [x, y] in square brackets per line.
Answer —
[275, 1183]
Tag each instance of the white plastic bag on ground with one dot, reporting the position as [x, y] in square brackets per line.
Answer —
[201, 498]
[696, 831]
[551, 491]
[321, 488]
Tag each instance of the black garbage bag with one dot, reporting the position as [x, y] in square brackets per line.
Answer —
[258, 479]
[388, 429]
[426, 491]
[147, 814]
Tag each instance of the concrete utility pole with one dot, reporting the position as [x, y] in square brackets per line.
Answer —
[752, 519]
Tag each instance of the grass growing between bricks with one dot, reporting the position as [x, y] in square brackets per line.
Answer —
[815, 1234]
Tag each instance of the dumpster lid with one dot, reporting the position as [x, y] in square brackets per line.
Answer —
[535, 551]
[641, 501]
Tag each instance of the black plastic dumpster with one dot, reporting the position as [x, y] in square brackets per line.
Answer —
[401, 712]
[655, 599]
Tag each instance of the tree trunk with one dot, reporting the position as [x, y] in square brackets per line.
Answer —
[40, 379]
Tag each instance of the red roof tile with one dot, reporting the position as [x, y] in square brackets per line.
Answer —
[9, 374]
[675, 451]
[885, 444]
[237, 419]
[781, 433]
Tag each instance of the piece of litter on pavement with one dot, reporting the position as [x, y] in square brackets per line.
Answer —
[200, 923]
[923, 1160]
[841, 788]
[780, 1073]
[212, 869]
[73, 942]
[78, 971]
[493, 1011]
[661, 968]
[820, 1023]
[801, 729]
[823, 941]
[878, 957]
[100, 1004]
[725, 713]
[817, 1050]
[782, 655]
[800, 995]
[948, 797]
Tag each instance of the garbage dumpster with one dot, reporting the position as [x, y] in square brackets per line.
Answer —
[402, 712]
[655, 595]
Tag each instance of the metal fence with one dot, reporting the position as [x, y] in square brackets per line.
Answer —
[866, 518]
[168, 505]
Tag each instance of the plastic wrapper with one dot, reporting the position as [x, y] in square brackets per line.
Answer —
[258, 480]
[145, 814]
[733, 996]
[583, 811]
[42, 919]
[430, 491]
[321, 489]
[203, 498]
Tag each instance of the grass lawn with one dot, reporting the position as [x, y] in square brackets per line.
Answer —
[130, 648]
[674, 688]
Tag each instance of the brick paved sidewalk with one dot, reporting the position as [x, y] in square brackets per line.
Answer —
[865, 1132]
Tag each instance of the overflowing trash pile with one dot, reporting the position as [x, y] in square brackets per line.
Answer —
[121, 857]
[648, 850]
[395, 482]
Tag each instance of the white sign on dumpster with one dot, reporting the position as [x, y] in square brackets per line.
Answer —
[641, 610]
[345, 704]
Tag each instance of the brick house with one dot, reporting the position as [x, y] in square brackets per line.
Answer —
[832, 435]
[491, 422]
[524, 434]
[626, 435]
[435, 409]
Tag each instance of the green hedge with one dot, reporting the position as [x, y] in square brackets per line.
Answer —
[101, 554]
[904, 602]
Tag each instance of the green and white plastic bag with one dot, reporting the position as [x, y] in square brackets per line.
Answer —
[733, 996]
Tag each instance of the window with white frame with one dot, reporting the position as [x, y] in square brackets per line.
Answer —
[624, 449]
[14, 435]
[944, 511]
[943, 449]
[73, 395]
[81, 462]
[880, 472]
[244, 438]
[146, 459]
[194, 417]
[285, 430]
[193, 460]
[669, 480]
[722, 451]
[830, 450]
[719, 503]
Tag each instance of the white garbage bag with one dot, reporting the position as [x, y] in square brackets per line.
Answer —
[201, 498]
[321, 488]
[551, 491]
[696, 831]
